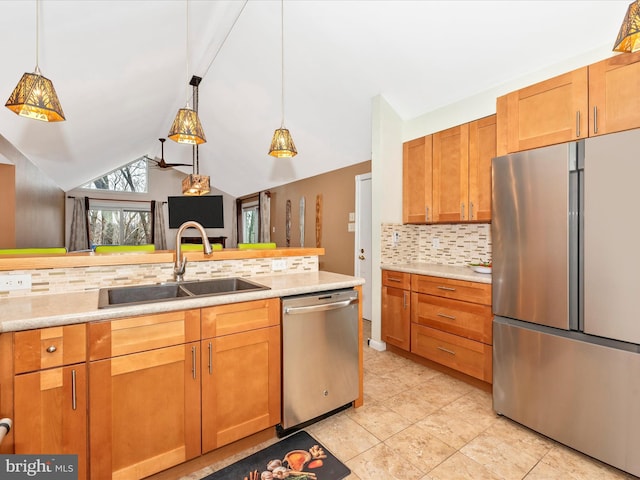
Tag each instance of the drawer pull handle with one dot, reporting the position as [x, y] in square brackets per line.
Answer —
[74, 402]
[448, 289]
[446, 350]
[450, 317]
[394, 279]
[51, 348]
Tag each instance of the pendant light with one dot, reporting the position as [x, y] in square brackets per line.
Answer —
[34, 96]
[629, 36]
[186, 127]
[196, 184]
[282, 145]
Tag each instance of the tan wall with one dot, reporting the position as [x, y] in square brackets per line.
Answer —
[39, 203]
[338, 191]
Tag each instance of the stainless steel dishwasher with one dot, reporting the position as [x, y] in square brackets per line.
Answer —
[319, 355]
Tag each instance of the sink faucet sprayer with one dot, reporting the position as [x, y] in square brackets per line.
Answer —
[181, 263]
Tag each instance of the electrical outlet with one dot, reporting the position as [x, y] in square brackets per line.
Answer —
[278, 264]
[15, 282]
[435, 242]
[351, 227]
[395, 237]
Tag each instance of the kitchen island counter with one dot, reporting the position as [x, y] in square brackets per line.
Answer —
[40, 311]
[445, 271]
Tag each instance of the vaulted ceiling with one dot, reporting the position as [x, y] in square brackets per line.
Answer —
[120, 71]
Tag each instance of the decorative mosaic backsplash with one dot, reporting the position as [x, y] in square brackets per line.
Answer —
[457, 244]
[65, 280]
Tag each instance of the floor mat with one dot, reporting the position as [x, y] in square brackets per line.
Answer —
[296, 457]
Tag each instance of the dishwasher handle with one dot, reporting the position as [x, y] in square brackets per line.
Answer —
[320, 308]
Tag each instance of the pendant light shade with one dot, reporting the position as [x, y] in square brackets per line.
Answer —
[282, 145]
[34, 96]
[187, 128]
[195, 185]
[629, 36]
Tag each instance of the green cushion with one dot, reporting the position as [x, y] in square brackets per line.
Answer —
[32, 251]
[256, 246]
[149, 247]
[190, 247]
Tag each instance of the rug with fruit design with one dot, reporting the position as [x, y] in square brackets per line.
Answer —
[296, 457]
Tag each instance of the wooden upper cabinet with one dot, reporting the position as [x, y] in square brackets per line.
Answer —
[482, 148]
[549, 112]
[451, 174]
[614, 104]
[417, 199]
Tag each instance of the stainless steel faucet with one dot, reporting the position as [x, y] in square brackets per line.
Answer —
[181, 263]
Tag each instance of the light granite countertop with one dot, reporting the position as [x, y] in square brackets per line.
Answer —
[39, 311]
[445, 271]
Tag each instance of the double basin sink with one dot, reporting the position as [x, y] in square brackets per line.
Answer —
[160, 292]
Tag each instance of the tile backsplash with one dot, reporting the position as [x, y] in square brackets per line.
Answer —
[455, 244]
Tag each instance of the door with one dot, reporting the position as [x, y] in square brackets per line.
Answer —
[611, 232]
[363, 263]
[530, 235]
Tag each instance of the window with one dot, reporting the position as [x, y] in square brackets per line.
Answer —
[132, 177]
[119, 223]
[250, 222]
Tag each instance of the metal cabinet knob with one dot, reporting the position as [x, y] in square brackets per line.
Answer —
[51, 348]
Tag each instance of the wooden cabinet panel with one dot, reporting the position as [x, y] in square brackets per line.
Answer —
[49, 347]
[396, 317]
[455, 289]
[469, 320]
[144, 411]
[147, 332]
[240, 317]
[482, 148]
[417, 182]
[451, 174]
[614, 103]
[549, 112]
[240, 385]
[466, 356]
[394, 279]
[50, 414]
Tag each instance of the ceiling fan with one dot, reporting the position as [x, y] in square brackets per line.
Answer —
[160, 163]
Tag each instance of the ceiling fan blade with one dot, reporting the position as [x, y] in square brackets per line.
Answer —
[179, 164]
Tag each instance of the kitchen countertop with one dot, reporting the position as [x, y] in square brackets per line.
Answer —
[39, 311]
[445, 271]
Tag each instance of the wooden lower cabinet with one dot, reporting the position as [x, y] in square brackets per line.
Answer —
[240, 385]
[396, 309]
[50, 413]
[144, 411]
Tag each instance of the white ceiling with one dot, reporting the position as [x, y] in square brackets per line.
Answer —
[119, 68]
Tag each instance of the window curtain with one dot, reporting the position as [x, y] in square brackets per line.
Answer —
[265, 217]
[79, 235]
[234, 225]
[158, 230]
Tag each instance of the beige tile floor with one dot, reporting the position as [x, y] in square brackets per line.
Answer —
[417, 423]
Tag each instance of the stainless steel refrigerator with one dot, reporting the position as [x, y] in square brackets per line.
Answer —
[566, 294]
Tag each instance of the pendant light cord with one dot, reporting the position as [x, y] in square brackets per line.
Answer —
[225, 38]
[282, 59]
[37, 70]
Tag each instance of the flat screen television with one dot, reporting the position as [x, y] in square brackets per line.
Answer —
[207, 210]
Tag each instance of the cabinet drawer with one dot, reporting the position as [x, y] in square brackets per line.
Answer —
[396, 279]
[240, 317]
[456, 289]
[49, 347]
[469, 320]
[137, 334]
[461, 354]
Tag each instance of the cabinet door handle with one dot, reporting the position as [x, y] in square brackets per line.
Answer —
[404, 299]
[74, 398]
[426, 214]
[51, 348]
[446, 350]
[595, 119]
[444, 315]
[448, 289]
[578, 123]
[210, 358]
[193, 362]
[462, 211]
[471, 211]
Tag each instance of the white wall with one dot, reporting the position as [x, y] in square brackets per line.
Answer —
[389, 131]
[162, 184]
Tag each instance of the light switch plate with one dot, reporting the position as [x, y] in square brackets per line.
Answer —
[278, 264]
[351, 227]
[15, 282]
